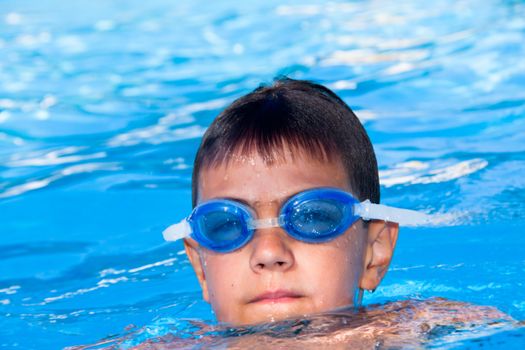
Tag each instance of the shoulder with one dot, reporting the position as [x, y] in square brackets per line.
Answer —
[411, 323]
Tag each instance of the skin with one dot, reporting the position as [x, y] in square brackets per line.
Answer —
[320, 276]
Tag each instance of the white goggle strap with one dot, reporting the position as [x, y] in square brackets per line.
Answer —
[405, 217]
[177, 231]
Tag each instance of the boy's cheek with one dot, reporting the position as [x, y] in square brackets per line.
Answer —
[222, 275]
[224, 289]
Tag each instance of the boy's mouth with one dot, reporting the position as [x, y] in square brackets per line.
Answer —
[277, 296]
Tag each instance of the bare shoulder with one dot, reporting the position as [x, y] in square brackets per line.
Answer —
[410, 323]
[441, 310]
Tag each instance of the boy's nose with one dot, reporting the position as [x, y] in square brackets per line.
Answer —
[271, 251]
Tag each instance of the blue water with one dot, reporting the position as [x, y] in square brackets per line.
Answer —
[103, 103]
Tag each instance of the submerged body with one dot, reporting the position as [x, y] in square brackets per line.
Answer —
[401, 324]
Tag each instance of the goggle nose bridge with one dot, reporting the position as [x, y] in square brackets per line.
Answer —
[254, 224]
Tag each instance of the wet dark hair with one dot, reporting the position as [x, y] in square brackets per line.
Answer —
[298, 114]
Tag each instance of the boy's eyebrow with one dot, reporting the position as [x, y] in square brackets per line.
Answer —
[255, 204]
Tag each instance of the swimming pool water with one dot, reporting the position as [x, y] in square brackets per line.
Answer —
[102, 106]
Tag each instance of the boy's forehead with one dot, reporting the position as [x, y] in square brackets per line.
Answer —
[254, 180]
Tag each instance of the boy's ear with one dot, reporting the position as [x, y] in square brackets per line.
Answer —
[192, 251]
[382, 238]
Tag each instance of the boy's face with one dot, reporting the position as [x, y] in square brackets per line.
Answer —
[275, 276]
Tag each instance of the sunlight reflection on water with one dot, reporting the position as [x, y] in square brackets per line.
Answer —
[102, 106]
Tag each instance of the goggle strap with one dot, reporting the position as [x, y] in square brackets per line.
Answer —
[177, 231]
[369, 211]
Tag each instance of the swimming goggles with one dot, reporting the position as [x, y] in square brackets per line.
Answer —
[314, 216]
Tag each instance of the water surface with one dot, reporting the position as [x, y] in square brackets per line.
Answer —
[102, 106]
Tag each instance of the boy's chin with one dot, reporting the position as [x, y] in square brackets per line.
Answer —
[272, 312]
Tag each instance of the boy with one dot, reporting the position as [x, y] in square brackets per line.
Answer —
[280, 226]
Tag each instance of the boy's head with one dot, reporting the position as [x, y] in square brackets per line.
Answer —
[264, 148]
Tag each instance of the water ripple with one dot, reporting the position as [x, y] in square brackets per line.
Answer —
[102, 106]
[416, 172]
[31, 185]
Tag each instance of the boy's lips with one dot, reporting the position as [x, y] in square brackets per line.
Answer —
[277, 296]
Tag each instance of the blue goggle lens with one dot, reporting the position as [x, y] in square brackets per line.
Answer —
[220, 226]
[316, 219]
